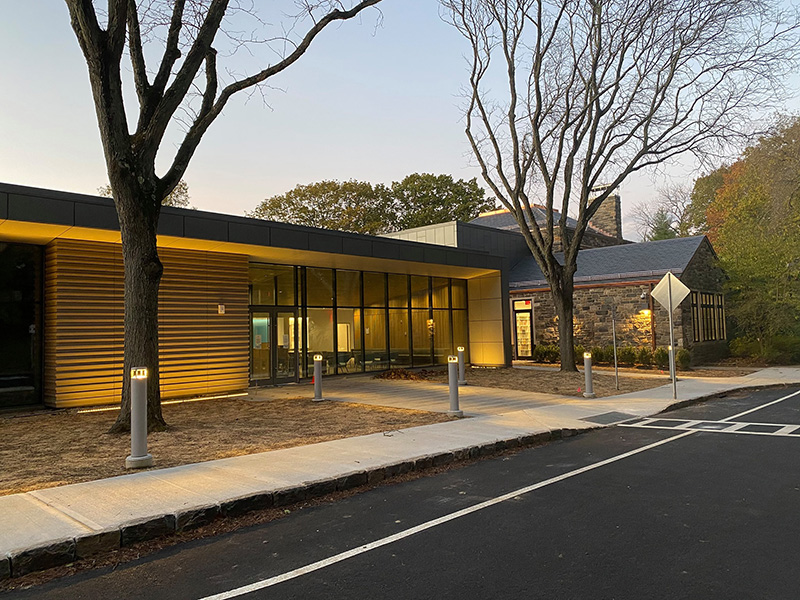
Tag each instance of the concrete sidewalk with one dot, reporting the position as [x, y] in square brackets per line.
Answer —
[56, 526]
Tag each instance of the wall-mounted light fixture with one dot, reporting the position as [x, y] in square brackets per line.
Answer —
[644, 308]
[220, 309]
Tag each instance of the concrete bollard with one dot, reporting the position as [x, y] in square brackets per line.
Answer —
[318, 378]
[139, 457]
[587, 371]
[452, 374]
[462, 367]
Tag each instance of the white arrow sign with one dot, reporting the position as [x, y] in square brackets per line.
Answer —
[670, 292]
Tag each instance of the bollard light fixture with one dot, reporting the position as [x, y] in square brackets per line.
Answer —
[462, 367]
[452, 379]
[139, 456]
[317, 378]
[587, 369]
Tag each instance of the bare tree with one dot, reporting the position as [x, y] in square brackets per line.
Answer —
[184, 85]
[179, 196]
[673, 207]
[566, 96]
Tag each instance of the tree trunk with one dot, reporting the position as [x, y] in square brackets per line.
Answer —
[562, 299]
[143, 272]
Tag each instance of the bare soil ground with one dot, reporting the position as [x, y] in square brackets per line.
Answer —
[46, 449]
[550, 382]
[556, 382]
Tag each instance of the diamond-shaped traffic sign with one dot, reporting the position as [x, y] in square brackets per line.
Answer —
[670, 291]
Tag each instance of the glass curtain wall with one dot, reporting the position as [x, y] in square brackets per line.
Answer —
[367, 321]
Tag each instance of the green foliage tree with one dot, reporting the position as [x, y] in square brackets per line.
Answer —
[358, 206]
[662, 228]
[424, 199]
[753, 219]
[355, 206]
[177, 197]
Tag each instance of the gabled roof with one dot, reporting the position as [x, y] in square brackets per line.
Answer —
[503, 219]
[627, 262]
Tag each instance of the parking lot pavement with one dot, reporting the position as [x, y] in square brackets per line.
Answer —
[623, 512]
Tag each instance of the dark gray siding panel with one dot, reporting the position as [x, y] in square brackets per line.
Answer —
[435, 255]
[170, 224]
[40, 210]
[289, 238]
[386, 250]
[357, 246]
[325, 242]
[457, 259]
[413, 252]
[3, 205]
[205, 229]
[244, 233]
[96, 216]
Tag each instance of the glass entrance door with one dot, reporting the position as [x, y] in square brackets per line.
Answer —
[522, 328]
[273, 348]
[20, 325]
[285, 346]
[261, 348]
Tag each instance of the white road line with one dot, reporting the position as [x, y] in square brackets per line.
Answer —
[747, 412]
[321, 564]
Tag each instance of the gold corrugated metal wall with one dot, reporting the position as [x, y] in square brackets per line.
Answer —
[201, 351]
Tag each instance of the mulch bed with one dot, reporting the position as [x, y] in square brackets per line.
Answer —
[50, 448]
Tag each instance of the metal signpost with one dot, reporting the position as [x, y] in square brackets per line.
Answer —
[670, 292]
[614, 341]
[461, 367]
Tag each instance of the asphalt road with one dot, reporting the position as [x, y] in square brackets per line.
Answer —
[644, 511]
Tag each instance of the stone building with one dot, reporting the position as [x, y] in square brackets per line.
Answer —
[613, 275]
[620, 279]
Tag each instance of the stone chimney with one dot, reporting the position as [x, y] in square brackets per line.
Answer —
[608, 218]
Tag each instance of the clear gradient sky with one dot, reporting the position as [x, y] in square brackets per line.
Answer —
[364, 103]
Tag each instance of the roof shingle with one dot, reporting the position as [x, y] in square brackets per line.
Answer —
[616, 263]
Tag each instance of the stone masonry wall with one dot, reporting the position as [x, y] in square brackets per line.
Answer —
[703, 274]
[592, 319]
[609, 217]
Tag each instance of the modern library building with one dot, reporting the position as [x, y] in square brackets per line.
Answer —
[242, 301]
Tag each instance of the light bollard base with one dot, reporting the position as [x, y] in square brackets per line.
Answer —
[139, 462]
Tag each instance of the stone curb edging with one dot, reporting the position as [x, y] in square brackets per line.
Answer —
[679, 404]
[64, 552]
